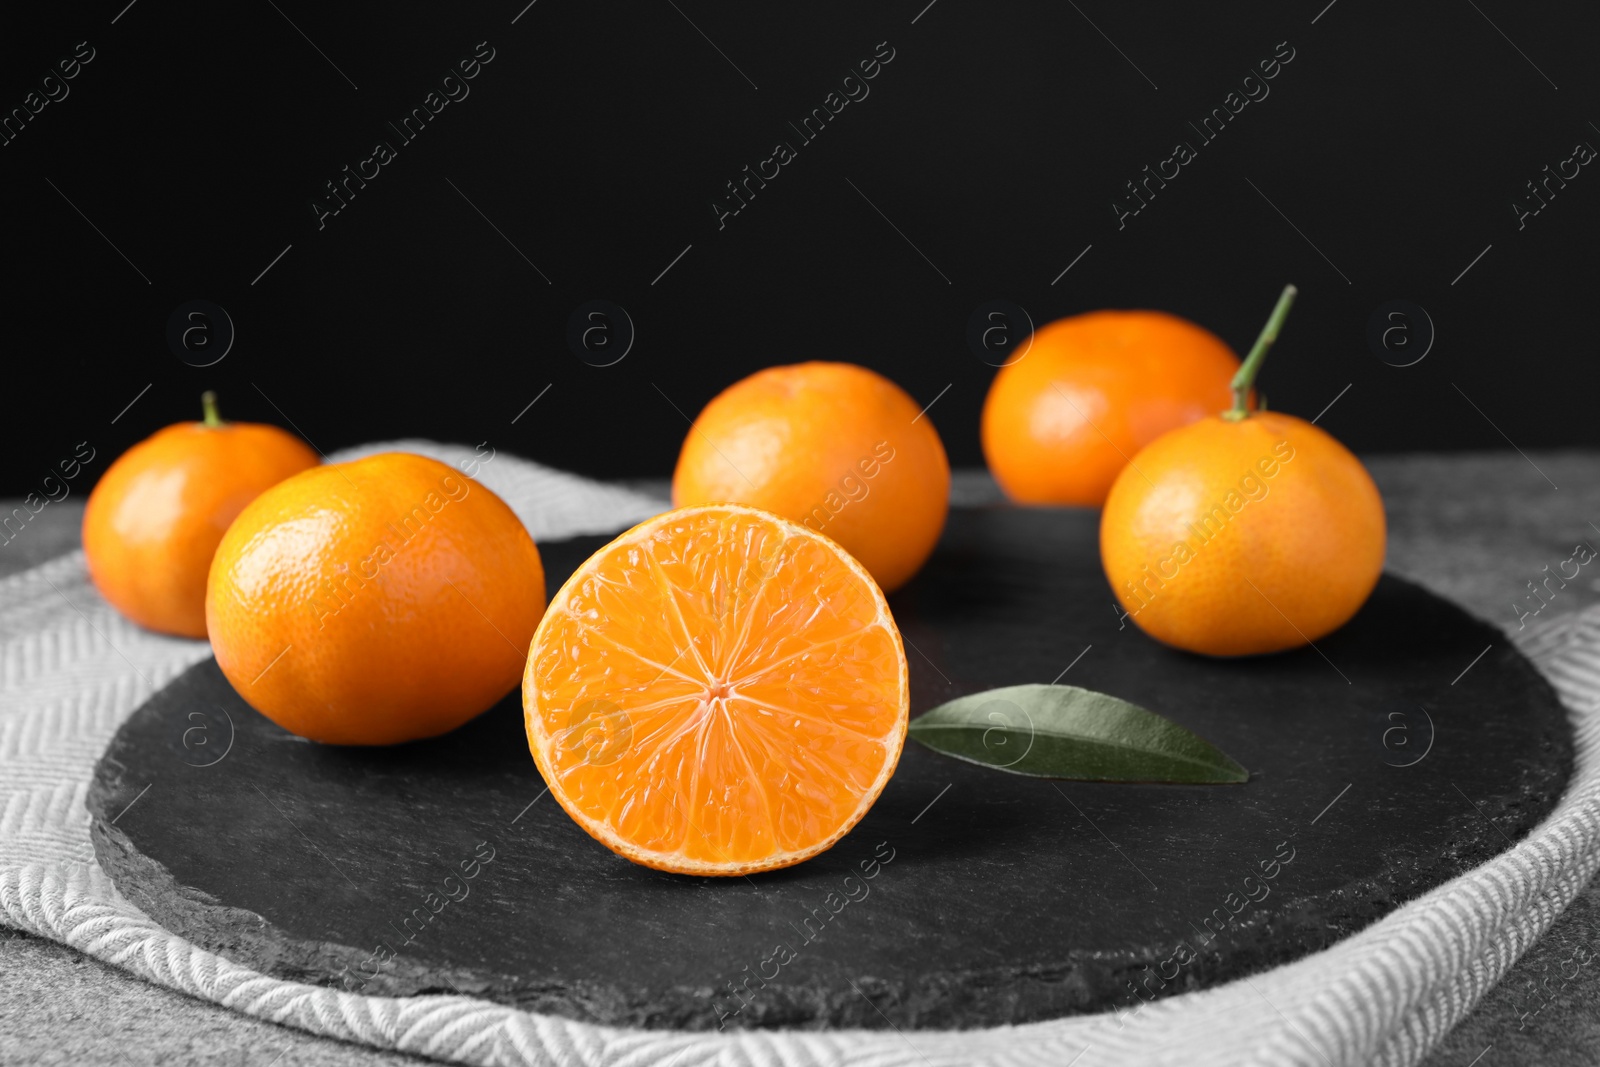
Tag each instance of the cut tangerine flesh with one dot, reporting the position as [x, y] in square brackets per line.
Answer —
[718, 691]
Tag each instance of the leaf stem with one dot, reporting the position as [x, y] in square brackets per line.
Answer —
[1246, 377]
[208, 404]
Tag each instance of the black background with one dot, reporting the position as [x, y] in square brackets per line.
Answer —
[597, 138]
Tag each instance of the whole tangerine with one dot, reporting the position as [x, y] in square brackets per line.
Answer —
[833, 446]
[155, 519]
[1243, 533]
[1061, 421]
[373, 602]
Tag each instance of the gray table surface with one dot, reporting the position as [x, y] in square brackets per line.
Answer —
[1472, 527]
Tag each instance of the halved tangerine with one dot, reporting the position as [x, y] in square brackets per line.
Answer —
[718, 691]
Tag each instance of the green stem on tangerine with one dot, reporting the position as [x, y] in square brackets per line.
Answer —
[1246, 377]
[208, 403]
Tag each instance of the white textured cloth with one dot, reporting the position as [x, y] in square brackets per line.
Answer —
[71, 670]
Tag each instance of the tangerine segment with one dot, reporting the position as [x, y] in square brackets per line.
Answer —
[718, 691]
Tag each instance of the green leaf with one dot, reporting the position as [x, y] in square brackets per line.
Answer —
[1061, 731]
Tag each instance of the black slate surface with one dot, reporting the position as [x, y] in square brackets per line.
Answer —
[1380, 769]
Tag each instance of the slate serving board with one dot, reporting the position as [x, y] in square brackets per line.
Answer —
[1406, 748]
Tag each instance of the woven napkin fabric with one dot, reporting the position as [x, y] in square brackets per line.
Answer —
[71, 670]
